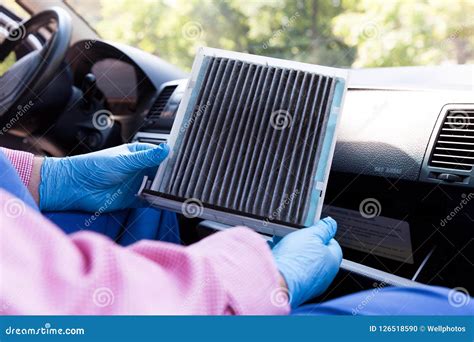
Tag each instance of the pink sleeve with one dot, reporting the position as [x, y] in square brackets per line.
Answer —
[45, 271]
[21, 161]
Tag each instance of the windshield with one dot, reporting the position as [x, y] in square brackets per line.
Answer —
[348, 33]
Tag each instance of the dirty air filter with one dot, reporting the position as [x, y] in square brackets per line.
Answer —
[252, 142]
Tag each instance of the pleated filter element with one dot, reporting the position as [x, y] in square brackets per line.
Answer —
[252, 142]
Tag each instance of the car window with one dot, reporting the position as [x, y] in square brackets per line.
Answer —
[12, 6]
[17, 10]
[348, 33]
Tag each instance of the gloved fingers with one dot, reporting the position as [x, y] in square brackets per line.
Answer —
[335, 250]
[138, 146]
[145, 159]
[325, 229]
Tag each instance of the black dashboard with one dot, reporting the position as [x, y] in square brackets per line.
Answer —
[129, 80]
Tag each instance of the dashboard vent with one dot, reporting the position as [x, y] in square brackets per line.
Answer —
[160, 103]
[255, 140]
[154, 141]
[454, 148]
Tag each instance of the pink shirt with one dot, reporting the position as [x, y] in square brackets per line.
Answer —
[44, 271]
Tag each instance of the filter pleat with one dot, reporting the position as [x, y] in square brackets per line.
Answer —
[195, 171]
[283, 138]
[310, 170]
[297, 153]
[201, 117]
[249, 139]
[233, 169]
[190, 134]
[304, 175]
[228, 135]
[266, 122]
[252, 140]
[219, 116]
[281, 84]
[280, 196]
[261, 151]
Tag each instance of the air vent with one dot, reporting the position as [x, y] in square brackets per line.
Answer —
[254, 140]
[454, 148]
[155, 141]
[160, 103]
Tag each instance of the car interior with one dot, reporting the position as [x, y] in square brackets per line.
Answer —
[401, 184]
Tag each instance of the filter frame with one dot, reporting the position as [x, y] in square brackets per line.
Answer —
[152, 194]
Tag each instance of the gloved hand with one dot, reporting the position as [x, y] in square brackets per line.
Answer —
[308, 259]
[102, 181]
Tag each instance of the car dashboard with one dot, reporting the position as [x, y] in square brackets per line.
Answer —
[402, 180]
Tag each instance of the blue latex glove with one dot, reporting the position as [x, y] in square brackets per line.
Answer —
[102, 181]
[308, 259]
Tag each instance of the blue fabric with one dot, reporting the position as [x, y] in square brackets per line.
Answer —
[395, 301]
[109, 224]
[152, 224]
[123, 226]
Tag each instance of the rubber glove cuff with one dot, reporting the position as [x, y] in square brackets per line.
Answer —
[54, 176]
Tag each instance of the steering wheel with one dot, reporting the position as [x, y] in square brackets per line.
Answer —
[24, 82]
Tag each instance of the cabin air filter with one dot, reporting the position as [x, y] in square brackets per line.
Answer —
[252, 142]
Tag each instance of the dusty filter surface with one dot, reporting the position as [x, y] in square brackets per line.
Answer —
[251, 140]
